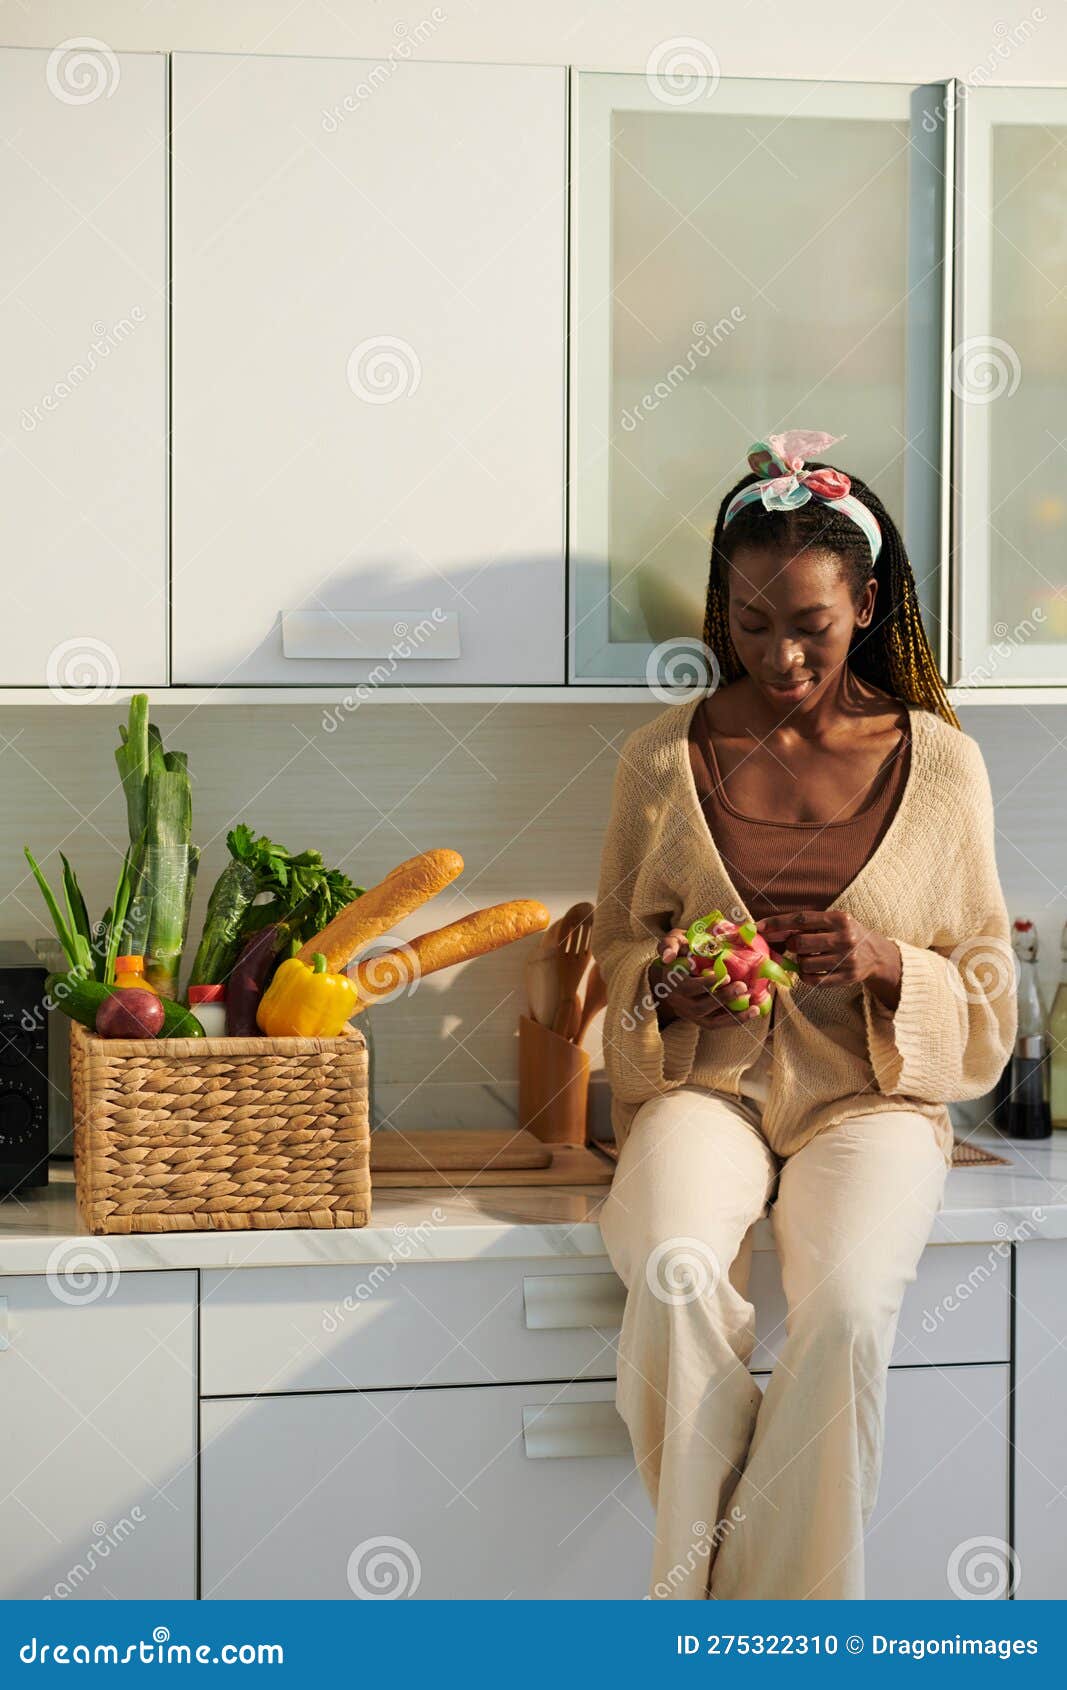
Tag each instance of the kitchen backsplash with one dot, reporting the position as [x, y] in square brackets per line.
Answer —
[521, 790]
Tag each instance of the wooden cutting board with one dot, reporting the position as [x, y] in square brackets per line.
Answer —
[558, 1164]
[467, 1149]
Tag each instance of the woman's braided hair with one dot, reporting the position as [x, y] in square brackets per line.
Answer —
[893, 653]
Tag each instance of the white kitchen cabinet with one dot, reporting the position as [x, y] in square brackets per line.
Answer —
[368, 371]
[747, 254]
[1040, 1416]
[940, 1525]
[1007, 377]
[524, 1491]
[83, 336]
[98, 1421]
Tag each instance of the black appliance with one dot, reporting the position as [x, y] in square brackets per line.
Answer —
[23, 1069]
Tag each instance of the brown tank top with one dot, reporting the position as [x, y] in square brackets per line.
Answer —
[791, 865]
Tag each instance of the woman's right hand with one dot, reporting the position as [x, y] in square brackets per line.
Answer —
[688, 996]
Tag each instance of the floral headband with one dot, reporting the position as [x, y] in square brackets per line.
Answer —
[785, 484]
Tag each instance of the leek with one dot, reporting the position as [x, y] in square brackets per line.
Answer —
[159, 806]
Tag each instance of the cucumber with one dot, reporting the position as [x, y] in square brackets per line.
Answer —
[179, 1022]
[80, 999]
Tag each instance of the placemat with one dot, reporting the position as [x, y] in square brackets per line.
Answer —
[966, 1155]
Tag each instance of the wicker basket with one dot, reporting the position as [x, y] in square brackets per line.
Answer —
[194, 1135]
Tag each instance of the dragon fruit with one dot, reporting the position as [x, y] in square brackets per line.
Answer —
[728, 950]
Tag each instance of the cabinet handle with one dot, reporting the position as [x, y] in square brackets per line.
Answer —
[401, 636]
[561, 1430]
[5, 1327]
[555, 1300]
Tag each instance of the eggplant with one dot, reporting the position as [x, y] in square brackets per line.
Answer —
[250, 977]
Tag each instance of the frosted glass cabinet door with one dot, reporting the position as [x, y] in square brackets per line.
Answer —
[747, 256]
[83, 348]
[1009, 370]
[369, 351]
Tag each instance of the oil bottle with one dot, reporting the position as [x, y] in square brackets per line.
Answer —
[1057, 1038]
[1021, 1107]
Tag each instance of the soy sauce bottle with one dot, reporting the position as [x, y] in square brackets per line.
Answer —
[1021, 1107]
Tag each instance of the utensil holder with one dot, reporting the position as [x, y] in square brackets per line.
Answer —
[553, 1085]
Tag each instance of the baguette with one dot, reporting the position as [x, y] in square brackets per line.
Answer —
[474, 935]
[404, 888]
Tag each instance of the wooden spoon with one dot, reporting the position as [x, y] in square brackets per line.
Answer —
[596, 997]
[575, 933]
[542, 988]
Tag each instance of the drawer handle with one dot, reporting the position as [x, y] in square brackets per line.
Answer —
[562, 1430]
[555, 1300]
[400, 636]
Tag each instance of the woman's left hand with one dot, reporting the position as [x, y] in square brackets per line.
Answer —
[832, 948]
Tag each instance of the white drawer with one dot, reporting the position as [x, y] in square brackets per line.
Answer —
[526, 1492]
[485, 1322]
[425, 1323]
[957, 1310]
[417, 1493]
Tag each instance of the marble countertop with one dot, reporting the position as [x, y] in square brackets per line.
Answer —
[41, 1232]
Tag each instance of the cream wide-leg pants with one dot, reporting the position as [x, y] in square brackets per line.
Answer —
[762, 1497]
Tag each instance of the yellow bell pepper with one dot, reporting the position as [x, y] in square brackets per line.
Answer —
[306, 1002]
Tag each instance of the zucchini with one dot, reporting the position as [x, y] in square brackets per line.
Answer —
[231, 896]
[80, 999]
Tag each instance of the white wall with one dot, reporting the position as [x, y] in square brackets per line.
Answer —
[522, 791]
[829, 39]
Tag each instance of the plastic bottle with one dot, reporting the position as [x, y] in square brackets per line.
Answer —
[208, 1004]
[129, 972]
[1057, 1038]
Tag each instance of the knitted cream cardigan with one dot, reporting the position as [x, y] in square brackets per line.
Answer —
[930, 885]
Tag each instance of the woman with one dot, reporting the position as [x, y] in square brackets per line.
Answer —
[823, 788]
